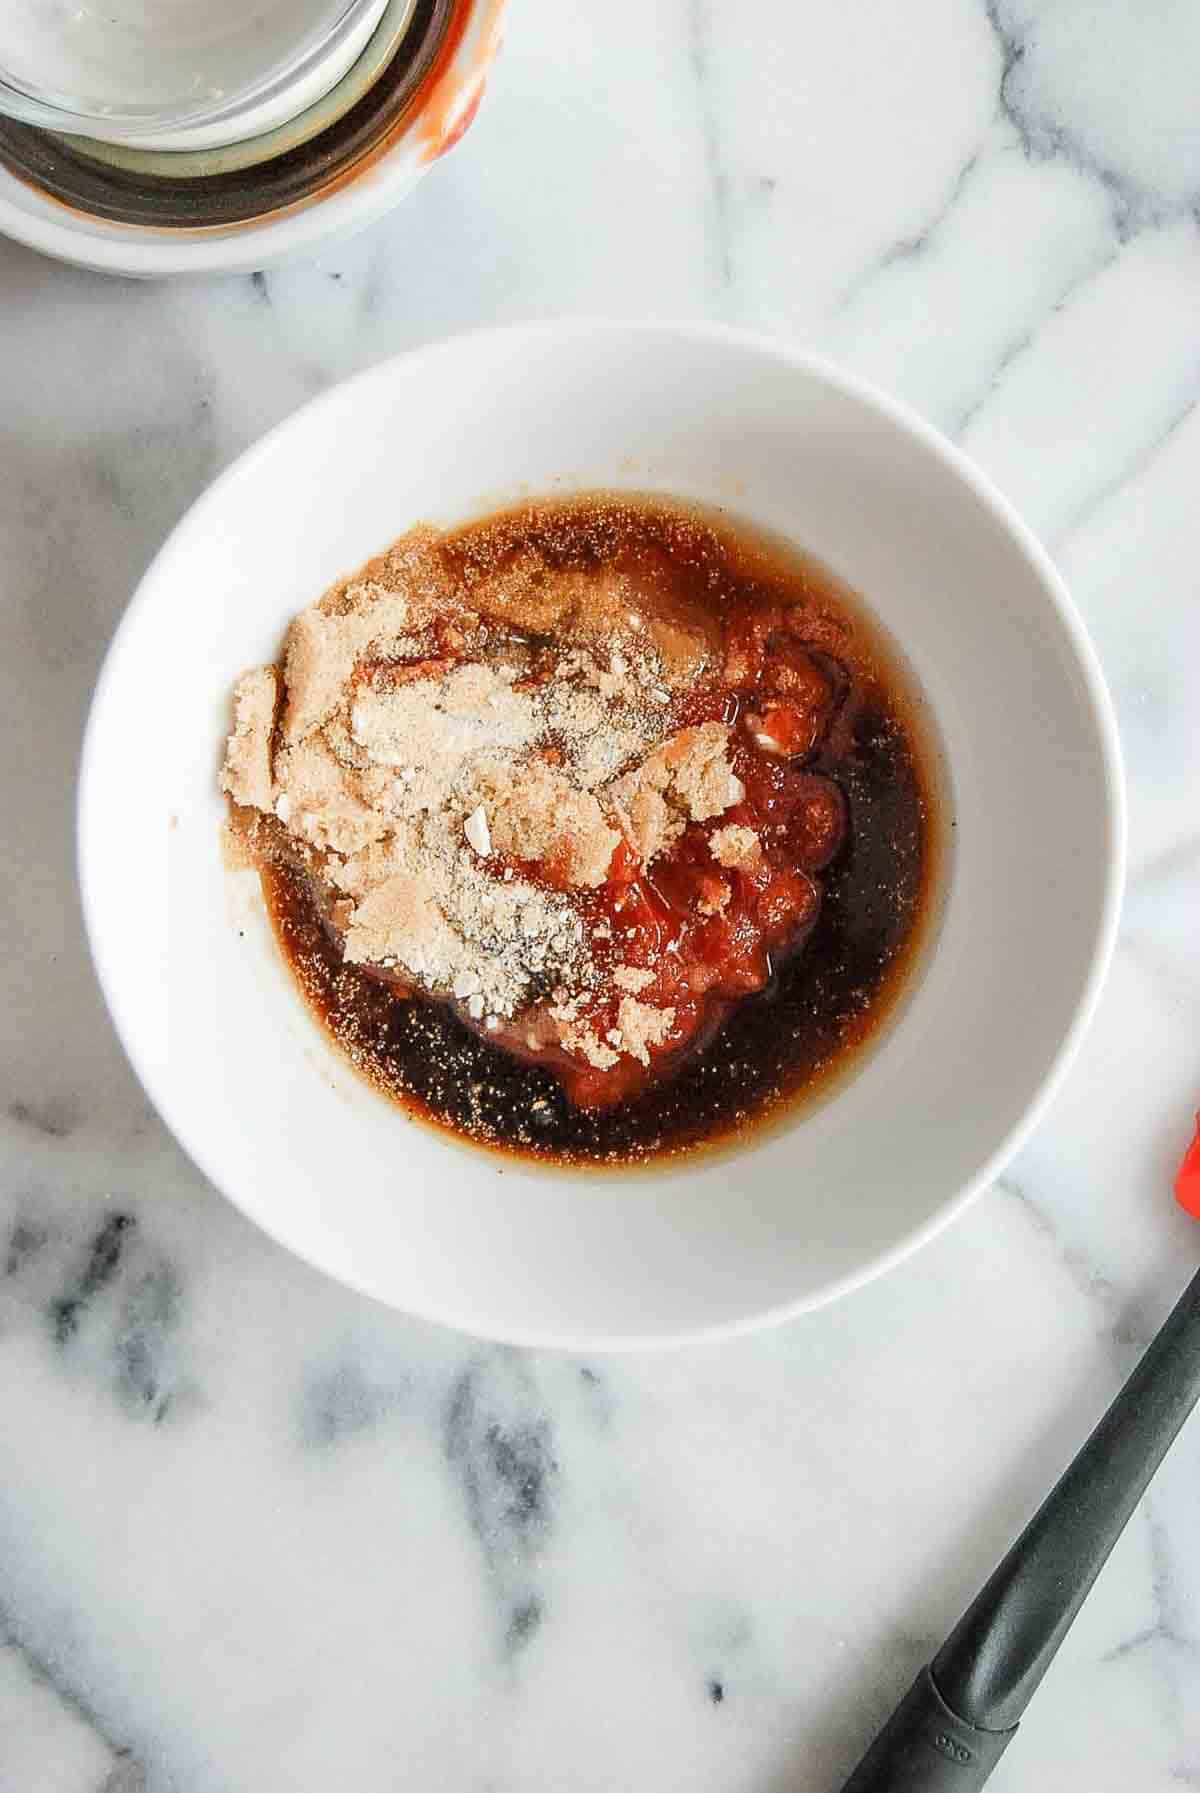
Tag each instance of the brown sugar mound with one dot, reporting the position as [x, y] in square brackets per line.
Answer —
[735, 847]
[688, 778]
[535, 812]
[454, 784]
[596, 607]
[247, 770]
[639, 1026]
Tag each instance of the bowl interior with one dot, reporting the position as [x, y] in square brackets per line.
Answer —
[244, 1076]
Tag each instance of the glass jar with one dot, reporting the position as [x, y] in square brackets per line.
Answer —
[175, 74]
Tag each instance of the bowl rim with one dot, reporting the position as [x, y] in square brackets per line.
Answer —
[702, 334]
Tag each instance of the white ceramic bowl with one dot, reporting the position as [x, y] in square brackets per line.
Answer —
[245, 1078]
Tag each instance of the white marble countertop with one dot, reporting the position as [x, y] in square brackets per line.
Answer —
[257, 1534]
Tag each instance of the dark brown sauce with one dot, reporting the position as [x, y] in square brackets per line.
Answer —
[826, 1001]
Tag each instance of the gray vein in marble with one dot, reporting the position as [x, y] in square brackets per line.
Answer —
[129, 469]
[909, 252]
[724, 1633]
[699, 55]
[1044, 135]
[143, 1350]
[499, 1443]
[1161, 966]
[1169, 1627]
[134, 1346]
[1127, 1331]
[1025, 340]
[1159, 915]
[1132, 205]
[1168, 1636]
[912, 248]
[1179, 860]
[597, 1397]
[1134, 469]
[25, 1240]
[342, 1401]
[54, 1118]
[98, 1270]
[127, 1774]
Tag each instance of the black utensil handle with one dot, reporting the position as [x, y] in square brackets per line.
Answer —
[989, 1667]
[926, 1748]
[972, 1695]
